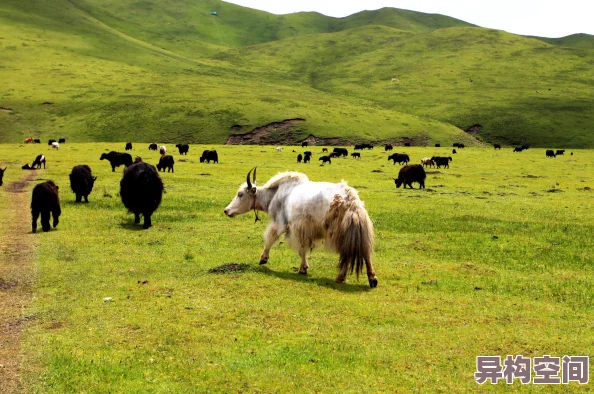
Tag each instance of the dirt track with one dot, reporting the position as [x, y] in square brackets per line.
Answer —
[17, 254]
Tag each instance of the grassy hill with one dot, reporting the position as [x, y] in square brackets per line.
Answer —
[167, 70]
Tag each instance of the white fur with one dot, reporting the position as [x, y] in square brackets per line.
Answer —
[55, 145]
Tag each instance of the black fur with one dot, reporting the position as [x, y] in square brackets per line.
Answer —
[166, 163]
[117, 159]
[81, 182]
[209, 155]
[45, 201]
[183, 148]
[141, 190]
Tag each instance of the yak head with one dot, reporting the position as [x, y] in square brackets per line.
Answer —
[103, 156]
[2, 174]
[398, 182]
[245, 199]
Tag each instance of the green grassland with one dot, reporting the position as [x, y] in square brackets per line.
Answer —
[167, 70]
[494, 257]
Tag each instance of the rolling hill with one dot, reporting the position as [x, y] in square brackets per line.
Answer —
[167, 70]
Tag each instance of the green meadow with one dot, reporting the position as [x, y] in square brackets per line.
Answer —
[494, 257]
[167, 70]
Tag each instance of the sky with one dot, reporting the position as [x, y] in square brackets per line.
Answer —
[544, 18]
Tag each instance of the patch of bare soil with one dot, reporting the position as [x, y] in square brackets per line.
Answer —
[17, 251]
[285, 132]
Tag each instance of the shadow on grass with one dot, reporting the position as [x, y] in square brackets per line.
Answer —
[324, 282]
[130, 225]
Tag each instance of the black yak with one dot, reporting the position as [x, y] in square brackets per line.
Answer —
[454, 151]
[410, 174]
[128, 146]
[45, 201]
[497, 146]
[304, 144]
[325, 159]
[341, 152]
[356, 155]
[399, 158]
[550, 153]
[209, 155]
[306, 159]
[37, 141]
[183, 148]
[442, 161]
[82, 181]
[299, 158]
[407, 144]
[560, 152]
[39, 160]
[388, 147]
[2, 174]
[437, 145]
[62, 141]
[50, 142]
[141, 190]
[324, 150]
[518, 149]
[153, 146]
[166, 163]
[117, 159]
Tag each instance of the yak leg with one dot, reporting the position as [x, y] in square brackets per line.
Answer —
[86, 198]
[45, 220]
[342, 274]
[136, 218]
[271, 235]
[56, 216]
[35, 215]
[147, 221]
[78, 197]
[304, 265]
[371, 274]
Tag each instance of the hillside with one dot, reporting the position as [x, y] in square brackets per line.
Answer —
[167, 70]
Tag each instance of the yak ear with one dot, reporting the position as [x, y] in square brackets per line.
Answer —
[94, 178]
[253, 190]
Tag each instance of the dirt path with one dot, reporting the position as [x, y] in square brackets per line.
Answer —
[17, 253]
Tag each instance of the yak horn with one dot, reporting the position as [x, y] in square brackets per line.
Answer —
[249, 184]
[255, 175]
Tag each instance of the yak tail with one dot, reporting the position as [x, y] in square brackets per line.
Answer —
[350, 232]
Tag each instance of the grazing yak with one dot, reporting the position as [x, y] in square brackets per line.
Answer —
[50, 142]
[81, 182]
[304, 144]
[279, 149]
[166, 163]
[55, 145]
[29, 140]
[117, 159]
[163, 150]
[340, 152]
[309, 214]
[442, 161]
[358, 146]
[209, 155]
[437, 145]
[45, 202]
[388, 147]
[62, 140]
[497, 146]
[325, 159]
[454, 151]
[299, 158]
[141, 189]
[525, 147]
[2, 174]
[39, 160]
[128, 146]
[307, 153]
[306, 159]
[550, 153]
[153, 146]
[427, 162]
[518, 149]
[410, 174]
[37, 141]
[560, 152]
[407, 144]
[183, 149]
[324, 150]
[399, 158]
[356, 155]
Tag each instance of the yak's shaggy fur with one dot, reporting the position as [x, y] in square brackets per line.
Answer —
[166, 163]
[310, 213]
[81, 182]
[141, 190]
[45, 201]
[117, 159]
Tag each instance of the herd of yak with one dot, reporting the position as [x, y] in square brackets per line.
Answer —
[141, 187]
